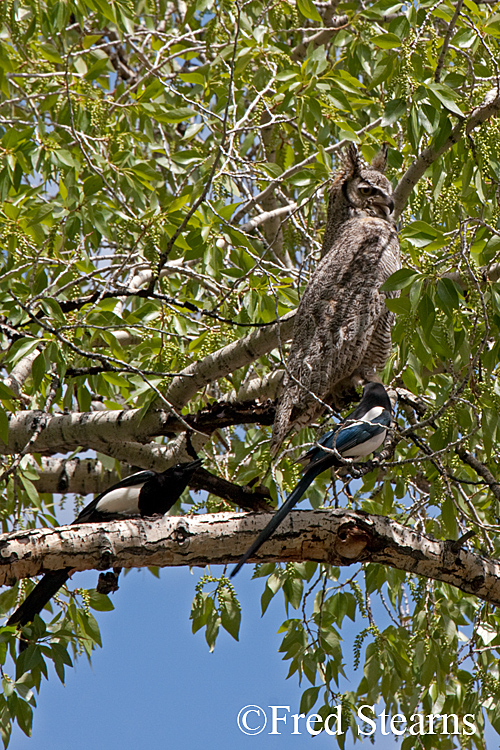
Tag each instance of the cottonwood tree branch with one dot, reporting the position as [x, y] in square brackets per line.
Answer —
[243, 496]
[257, 388]
[272, 228]
[101, 429]
[21, 372]
[268, 216]
[446, 41]
[480, 469]
[489, 107]
[81, 476]
[231, 357]
[85, 476]
[337, 537]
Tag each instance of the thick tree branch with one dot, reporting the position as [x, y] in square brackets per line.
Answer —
[428, 156]
[21, 372]
[231, 357]
[258, 388]
[65, 432]
[81, 476]
[337, 537]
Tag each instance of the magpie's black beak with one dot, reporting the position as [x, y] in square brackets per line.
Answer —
[191, 466]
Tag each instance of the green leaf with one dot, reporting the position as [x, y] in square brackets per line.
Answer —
[395, 109]
[90, 40]
[426, 313]
[398, 305]
[308, 10]
[292, 589]
[178, 114]
[193, 78]
[100, 602]
[446, 97]
[386, 41]
[50, 53]
[399, 280]
[19, 349]
[308, 699]
[230, 612]
[448, 295]
[212, 629]
[30, 490]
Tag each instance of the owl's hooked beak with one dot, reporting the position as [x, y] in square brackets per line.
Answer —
[383, 204]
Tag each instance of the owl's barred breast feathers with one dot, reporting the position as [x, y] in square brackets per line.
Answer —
[342, 330]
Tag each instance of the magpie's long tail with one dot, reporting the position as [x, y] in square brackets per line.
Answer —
[292, 499]
[39, 597]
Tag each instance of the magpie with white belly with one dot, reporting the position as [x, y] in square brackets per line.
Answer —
[362, 432]
[145, 494]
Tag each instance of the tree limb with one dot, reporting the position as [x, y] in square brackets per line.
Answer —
[98, 429]
[337, 537]
[489, 107]
[231, 357]
[446, 41]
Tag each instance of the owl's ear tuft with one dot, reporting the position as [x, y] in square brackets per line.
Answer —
[379, 161]
[352, 160]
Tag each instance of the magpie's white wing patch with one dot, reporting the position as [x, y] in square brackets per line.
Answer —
[121, 500]
[372, 414]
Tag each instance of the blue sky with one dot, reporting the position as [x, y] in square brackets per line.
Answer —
[155, 684]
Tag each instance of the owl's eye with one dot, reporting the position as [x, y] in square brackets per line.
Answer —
[366, 190]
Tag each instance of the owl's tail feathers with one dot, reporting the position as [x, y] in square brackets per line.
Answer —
[37, 599]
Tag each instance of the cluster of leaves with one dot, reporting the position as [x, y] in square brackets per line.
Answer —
[140, 143]
[74, 626]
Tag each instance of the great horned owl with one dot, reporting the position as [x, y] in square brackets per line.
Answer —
[342, 331]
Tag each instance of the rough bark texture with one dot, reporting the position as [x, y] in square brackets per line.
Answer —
[337, 537]
[65, 432]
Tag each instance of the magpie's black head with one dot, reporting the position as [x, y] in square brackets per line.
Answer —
[161, 493]
[185, 470]
[180, 474]
[374, 394]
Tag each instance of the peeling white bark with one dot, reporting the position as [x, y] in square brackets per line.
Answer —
[108, 431]
[337, 537]
[65, 432]
[21, 372]
[258, 389]
[76, 475]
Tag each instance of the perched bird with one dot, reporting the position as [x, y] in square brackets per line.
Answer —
[342, 330]
[362, 432]
[146, 493]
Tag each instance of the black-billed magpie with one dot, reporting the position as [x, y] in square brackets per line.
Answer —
[362, 432]
[145, 494]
